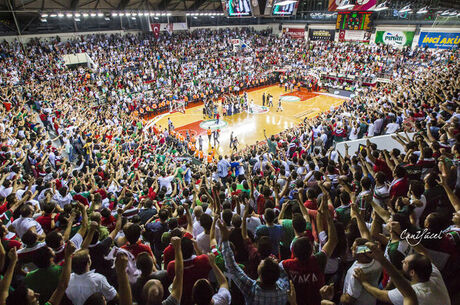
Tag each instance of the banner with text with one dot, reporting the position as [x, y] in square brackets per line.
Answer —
[361, 5]
[296, 33]
[318, 34]
[394, 38]
[357, 36]
[439, 40]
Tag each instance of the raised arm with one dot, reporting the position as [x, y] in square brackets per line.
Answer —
[176, 289]
[220, 277]
[58, 294]
[403, 285]
[8, 276]
[212, 233]
[68, 228]
[124, 288]
[363, 230]
[384, 214]
[84, 221]
[332, 235]
[453, 199]
[244, 225]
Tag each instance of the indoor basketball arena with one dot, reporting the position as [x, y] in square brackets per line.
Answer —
[232, 152]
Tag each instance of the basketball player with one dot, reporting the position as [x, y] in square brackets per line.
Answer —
[279, 105]
[270, 100]
[235, 144]
[200, 142]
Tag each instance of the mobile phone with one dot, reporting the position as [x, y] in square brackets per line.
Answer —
[362, 249]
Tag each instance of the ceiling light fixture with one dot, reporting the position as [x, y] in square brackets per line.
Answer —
[381, 7]
[405, 9]
[286, 2]
[345, 5]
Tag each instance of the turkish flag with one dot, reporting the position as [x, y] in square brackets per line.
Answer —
[155, 27]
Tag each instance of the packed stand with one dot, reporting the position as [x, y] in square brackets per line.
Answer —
[97, 208]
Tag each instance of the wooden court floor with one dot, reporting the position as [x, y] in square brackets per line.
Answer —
[247, 127]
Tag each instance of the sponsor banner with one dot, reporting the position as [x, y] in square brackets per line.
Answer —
[296, 33]
[394, 38]
[180, 26]
[439, 40]
[360, 36]
[360, 5]
[328, 35]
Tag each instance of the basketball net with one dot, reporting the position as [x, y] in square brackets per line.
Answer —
[179, 106]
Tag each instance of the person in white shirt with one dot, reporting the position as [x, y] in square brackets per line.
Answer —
[203, 239]
[197, 228]
[425, 280]
[164, 181]
[62, 197]
[6, 189]
[25, 223]
[84, 283]
[353, 291]
[391, 127]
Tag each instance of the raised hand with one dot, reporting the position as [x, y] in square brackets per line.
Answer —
[225, 233]
[69, 249]
[121, 261]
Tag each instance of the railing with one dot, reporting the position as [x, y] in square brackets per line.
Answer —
[383, 142]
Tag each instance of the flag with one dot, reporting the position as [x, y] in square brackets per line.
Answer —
[155, 28]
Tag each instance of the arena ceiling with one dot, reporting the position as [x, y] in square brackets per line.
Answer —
[147, 5]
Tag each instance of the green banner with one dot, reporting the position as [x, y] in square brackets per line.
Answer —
[394, 38]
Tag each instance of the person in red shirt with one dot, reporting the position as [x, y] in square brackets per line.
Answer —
[168, 253]
[107, 219]
[135, 246]
[400, 185]
[47, 220]
[311, 203]
[306, 271]
[195, 268]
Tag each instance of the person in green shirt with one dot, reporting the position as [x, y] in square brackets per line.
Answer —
[343, 211]
[45, 279]
[271, 143]
[25, 295]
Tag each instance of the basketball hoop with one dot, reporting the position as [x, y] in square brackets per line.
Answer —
[179, 106]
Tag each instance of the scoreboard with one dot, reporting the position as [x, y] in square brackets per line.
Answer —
[354, 21]
[237, 8]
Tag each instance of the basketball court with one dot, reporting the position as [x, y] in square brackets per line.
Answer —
[249, 127]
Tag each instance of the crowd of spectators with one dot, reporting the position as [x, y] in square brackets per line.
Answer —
[96, 208]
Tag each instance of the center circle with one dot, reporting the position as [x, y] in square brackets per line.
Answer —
[290, 98]
[256, 109]
[213, 124]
